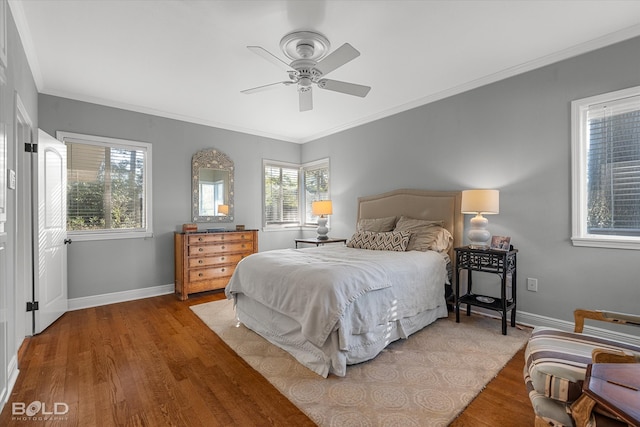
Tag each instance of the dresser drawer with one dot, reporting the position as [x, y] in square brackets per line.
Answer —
[208, 285]
[211, 273]
[206, 261]
[220, 248]
[219, 237]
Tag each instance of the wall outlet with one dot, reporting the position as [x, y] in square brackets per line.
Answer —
[532, 284]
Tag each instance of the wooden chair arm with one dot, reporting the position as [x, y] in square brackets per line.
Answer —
[580, 315]
[601, 355]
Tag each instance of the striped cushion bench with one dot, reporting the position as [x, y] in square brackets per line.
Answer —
[556, 361]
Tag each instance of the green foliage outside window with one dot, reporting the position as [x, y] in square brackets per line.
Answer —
[97, 203]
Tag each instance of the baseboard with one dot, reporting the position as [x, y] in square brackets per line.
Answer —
[530, 319]
[115, 297]
[12, 377]
[12, 373]
[533, 320]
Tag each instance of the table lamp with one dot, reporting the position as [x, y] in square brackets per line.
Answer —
[480, 202]
[321, 208]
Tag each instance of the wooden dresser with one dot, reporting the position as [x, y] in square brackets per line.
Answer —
[206, 261]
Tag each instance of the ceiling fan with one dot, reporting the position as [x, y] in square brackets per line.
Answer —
[311, 61]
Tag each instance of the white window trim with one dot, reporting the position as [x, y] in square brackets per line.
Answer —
[124, 143]
[282, 227]
[579, 196]
[302, 225]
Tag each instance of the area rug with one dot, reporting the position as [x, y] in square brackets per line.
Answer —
[426, 380]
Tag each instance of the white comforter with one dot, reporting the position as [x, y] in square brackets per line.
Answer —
[320, 287]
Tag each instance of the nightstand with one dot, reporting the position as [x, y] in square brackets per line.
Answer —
[501, 263]
[315, 241]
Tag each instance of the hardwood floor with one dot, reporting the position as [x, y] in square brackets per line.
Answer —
[504, 402]
[152, 362]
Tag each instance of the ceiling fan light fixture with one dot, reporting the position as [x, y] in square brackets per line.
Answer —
[305, 83]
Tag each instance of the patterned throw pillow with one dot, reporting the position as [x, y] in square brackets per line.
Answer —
[389, 241]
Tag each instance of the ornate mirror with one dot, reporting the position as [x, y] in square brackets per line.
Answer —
[212, 186]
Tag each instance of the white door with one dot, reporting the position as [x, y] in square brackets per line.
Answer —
[51, 218]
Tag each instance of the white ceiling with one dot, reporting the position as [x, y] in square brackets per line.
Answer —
[188, 59]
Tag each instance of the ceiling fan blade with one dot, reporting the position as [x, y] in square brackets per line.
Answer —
[270, 57]
[337, 58]
[344, 87]
[266, 87]
[306, 100]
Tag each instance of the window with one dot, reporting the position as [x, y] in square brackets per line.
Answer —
[108, 187]
[316, 187]
[281, 198]
[606, 170]
[289, 190]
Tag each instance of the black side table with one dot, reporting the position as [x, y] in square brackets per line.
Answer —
[502, 263]
[317, 242]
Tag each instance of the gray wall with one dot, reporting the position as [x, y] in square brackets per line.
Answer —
[513, 135]
[102, 267]
[19, 82]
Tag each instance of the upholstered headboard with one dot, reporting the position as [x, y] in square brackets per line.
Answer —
[421, 204]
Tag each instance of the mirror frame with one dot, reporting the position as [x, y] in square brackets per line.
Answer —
[210, 158]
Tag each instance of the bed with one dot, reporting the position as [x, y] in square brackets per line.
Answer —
[333, 305]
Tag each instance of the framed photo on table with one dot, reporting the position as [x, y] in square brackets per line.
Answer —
[500, 243]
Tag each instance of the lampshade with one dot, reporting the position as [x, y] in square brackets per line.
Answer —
[321, 207]
[223, 209]
[481, 201]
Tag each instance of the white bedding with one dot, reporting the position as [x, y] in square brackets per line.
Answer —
[336, 299]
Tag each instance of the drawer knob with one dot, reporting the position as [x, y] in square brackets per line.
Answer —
[200, 274]
[221, 237]
[244, 246]
[221, 258]
[223, 269]
[221, 247]
[200, 261]
[200, 250]
[199, 239]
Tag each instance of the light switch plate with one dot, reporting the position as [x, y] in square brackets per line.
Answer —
[11, 179]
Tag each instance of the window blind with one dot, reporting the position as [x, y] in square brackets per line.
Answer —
[105, 187]
[613, 168]
[281, 195]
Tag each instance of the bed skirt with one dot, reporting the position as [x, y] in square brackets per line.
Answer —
[339, 350]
